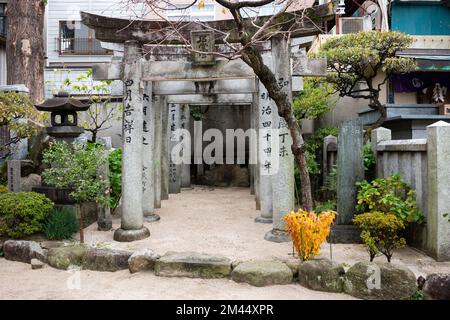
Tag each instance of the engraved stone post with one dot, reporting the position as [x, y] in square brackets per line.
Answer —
[185, 167]
[148, 132]
[283, 183]
[174, 168]
[157, 149]
[13, 167]
[350, 168]
[132, 218]
[165, 151]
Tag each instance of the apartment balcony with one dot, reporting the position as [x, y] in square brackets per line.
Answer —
[80, 47]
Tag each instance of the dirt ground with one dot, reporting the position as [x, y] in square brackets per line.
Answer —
[219, 221]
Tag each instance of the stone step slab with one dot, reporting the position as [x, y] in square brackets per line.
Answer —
[193, 265]
[106, 259]
[260, 273]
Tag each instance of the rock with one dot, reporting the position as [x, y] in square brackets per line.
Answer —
[28, 183]
[322, 275]
[437, 286]
[23, 251]
[262, 273]
[386, 281]
[142, 260]
[36, 264]
[292, 263]
[192, 265]
[26, 168]
[106, 259]
[51, 244]
[63, 257]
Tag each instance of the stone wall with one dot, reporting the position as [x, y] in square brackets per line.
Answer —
[424, 164]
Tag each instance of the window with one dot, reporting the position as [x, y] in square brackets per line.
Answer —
[77, 39]
[2, 19]
[266, 10]
[184, 11]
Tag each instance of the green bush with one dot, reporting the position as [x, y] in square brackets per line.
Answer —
[23, 213]
[61, 224]
[389, 195]
[115, 177]
[3, 189]
[380, 232]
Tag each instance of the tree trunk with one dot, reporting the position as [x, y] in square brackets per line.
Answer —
[25, 46]
[253, 58]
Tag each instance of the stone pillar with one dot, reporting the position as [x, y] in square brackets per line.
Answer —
[132, 218]
[185, 167]
[174, 169]
[283, 182]
[438, 157]
[165, 151]
[350, 169]
[257, 165]
[198, 149]
[378, 135]
[327, 163]
[158, 106]
[148, 138]
[266, 170]
[104, 220]
[14, 174]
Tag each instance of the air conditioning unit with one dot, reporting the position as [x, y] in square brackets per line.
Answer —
[355, 24]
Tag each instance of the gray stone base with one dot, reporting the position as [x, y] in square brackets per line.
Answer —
[152, 218]
[187, 188]
[263, 220]
[344, 234]
[122, 235]
[277, 236]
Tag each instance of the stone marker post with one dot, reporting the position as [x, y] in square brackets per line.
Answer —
[438, 226]
[350, 169]
[174, 169]
[328, 159]
[257, 165]
[266, 168]
[283, 183]
[165, 150]
[185, 167]
[14, 173]
[378, 135]
[132, 218]
[148, 139]
[157, 149]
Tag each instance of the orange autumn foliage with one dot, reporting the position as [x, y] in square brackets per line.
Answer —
[308, 231]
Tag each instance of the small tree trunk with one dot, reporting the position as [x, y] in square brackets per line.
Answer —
[25, 46]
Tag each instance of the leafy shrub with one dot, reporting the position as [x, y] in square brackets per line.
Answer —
[329, 205]
[3, 189]
[23, 213]
[380, 232]
[369, 161]
[61, 224]
[75, 166]
[308, 231]
[115, 177]
[389, 195]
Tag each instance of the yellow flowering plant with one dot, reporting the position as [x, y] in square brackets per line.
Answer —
[308, 231]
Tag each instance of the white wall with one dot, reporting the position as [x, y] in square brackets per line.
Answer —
[2, 65]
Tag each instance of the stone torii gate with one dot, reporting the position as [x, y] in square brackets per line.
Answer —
[147, 86]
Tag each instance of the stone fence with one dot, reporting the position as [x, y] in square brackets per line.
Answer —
[425, 165]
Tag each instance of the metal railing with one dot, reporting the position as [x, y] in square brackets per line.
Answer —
[2, 25]
[80, 46]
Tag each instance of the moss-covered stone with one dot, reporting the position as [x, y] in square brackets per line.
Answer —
[322, 275]
[260, 273]
[386, 281]
[63, 257]
[106, 259]
[192, 265]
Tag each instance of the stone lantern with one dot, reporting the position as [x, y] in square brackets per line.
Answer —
[64, 117]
